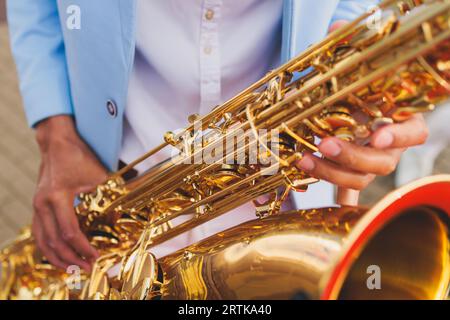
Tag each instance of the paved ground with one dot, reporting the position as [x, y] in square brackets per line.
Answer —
[2, 10]
[19, 158]
[18, 152]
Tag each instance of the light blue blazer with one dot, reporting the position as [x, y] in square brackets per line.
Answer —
[78, 72]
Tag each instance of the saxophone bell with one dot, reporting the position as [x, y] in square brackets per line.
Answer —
[399, 249]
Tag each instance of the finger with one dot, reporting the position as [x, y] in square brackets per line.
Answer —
[347, 197]
[331, 172]
[409, 133]
[52, 239]
[102, 177]
[62, 204]
[85, 189]
[360, 158]
[96, 176]
[38, 235]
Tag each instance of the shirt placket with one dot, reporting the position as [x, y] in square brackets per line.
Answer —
[210, 73]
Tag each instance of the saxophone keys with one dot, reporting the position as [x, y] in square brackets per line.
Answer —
[169, 137]
[443, 66]
[202, 209]
[98, 287]
[345, 134]
[361, 132]
[193, 118]
[98, 296]
[315, 129]
[427, 31]
[266, 206]
[404, 113]
[139, 276]
[58, 292]
[187, 255]
[7, 274]
[403, 7]
[84, 295]
[369, 108]
[104, 239]
[296, 180]
[114, 294]
[339, 122]
[377, 123]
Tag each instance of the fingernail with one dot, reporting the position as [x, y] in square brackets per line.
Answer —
[384, 140]
[306, 164]
[330, 148]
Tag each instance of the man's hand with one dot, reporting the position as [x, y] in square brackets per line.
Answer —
[68, 167]
[352, 167]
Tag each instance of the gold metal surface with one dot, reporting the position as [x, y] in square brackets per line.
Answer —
[348, 85]
[287, 255]
[413, 267]
[291, 255]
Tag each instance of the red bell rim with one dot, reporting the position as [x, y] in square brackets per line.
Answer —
[433, 191]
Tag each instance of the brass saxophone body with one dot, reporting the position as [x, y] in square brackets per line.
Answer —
[359, 78]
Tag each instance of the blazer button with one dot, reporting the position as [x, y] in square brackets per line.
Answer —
[112, 108]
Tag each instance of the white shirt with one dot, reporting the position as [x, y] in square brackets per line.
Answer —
[192, 55]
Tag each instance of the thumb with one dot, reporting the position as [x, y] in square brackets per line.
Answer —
[91, 185]
[85, 189]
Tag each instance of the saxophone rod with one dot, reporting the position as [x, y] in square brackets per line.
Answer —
[325, 44]
[341, 68]
[326, 77]
[223, 206]
[351, 88]
[367, 80]
[331, 39]
[219, 194]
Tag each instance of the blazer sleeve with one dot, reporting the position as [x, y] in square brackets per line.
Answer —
[351, 9]
[38, 49]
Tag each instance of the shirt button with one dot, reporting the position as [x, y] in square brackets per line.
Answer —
[209, 15]
[207, 50]
[112, 108]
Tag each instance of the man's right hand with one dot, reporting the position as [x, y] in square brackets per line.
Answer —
[68, 167]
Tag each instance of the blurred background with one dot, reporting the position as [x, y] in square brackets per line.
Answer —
[19, 158]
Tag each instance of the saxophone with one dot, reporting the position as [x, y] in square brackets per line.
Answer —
[357, 79]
